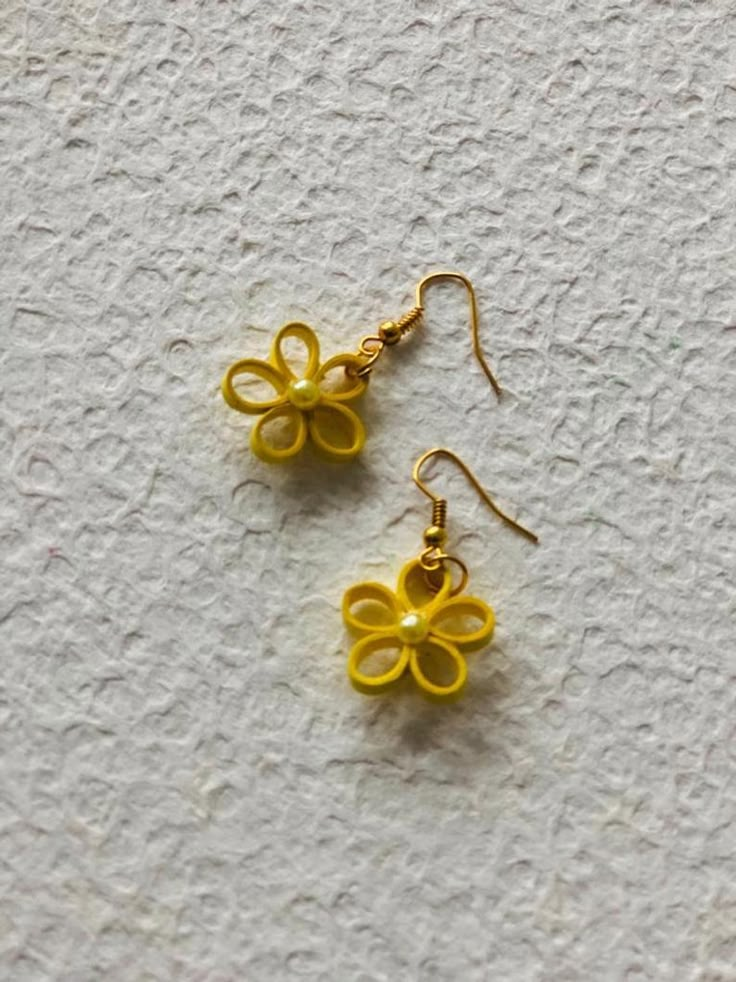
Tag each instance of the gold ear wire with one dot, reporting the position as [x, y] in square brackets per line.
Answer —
[477, 350]
[439, 505]
[391, 332]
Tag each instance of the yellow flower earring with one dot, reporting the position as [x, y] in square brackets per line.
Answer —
[305, 404]
[423, 626]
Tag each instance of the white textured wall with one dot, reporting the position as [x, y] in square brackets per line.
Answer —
[189, 789]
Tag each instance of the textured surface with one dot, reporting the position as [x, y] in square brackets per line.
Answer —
[189, 790]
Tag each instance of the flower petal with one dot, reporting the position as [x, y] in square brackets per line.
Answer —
[303, 333]
[415, 593]
[330, 421]
[363, 649]
[263, 370]
[354, 385]
[446, 622]
[442, 689]
[264, 448]
[381, 601]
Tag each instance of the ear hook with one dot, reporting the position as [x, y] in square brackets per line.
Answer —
[438, 502]
[391, 332]
[477, 350]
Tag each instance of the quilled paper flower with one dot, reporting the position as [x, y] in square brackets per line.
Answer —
[301, 400]
[422, 628]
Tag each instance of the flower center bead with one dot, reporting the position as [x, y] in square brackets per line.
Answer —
[303, 394]
[413, 628]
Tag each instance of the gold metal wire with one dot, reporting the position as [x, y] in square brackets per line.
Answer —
[371, 347]
[433, 560]
[433, 557]
[392, 332]
[439, 512]
[411, 319]
[477, 350]
[442, 452]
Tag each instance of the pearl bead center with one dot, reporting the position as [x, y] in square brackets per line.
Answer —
[413, 628]
[304, 394]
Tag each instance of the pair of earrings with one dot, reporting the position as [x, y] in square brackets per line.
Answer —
[424, 627]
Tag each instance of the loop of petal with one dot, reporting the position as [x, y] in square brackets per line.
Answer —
[327, 422]
[456, 609]
[263, 370]
[433, 690]
[305, 334]
[356, 384]
[374, 595]
[374, 684]
[413, 590]
[267, 450]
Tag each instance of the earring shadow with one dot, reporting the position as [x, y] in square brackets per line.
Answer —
[324, 484]
[424, 728]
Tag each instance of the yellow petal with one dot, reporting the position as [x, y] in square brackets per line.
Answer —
[414, 591]
[385, 678]
[447, 622]
[265, 448]
[438, 669]
[305, 334]
[263, 370]
[380, 610]
[336, 430]
[347, 367]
